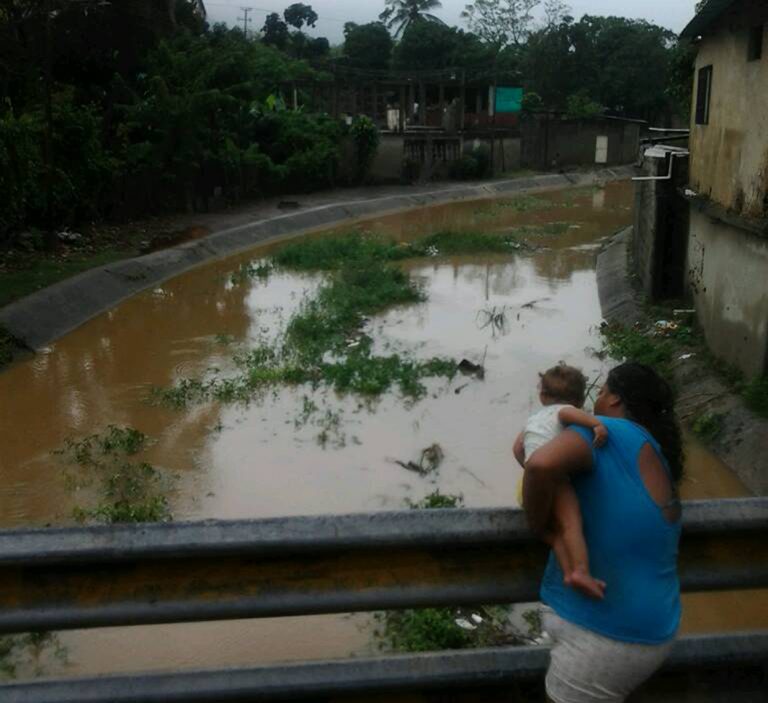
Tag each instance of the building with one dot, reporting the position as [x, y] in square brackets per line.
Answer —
[727, 253]
[701, 225]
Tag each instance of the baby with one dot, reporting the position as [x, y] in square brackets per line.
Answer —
[562, 391]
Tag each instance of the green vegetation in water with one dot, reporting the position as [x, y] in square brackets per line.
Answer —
[128, 491]
[433, 629]
[708, 426]
[253, 269]
[25, 655]
[331, 252]
[436, 500]
[324, 342]
[520, 203]
[422, 630]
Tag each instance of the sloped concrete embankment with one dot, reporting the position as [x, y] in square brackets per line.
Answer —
[47, 315]
[742, 442]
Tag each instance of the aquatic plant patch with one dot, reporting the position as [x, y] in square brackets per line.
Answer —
[325, 342]
[125, 490]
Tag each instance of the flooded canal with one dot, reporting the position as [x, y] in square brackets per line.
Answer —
[270, 457]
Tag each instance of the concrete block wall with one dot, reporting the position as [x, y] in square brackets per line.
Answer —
[728, 278]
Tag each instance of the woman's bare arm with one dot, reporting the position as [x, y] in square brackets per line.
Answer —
[566, 454]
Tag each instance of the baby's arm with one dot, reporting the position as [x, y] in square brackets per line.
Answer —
[573, 416]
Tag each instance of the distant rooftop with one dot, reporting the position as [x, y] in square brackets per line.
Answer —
[709, 14]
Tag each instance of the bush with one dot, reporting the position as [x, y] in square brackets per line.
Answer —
[79, 169]
[472, 166]
[366, 137]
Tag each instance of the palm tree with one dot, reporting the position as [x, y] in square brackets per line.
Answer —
[403, 13]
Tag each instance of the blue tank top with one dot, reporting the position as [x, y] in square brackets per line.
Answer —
[632, 547]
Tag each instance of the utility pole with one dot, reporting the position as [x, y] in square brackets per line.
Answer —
[245, 19]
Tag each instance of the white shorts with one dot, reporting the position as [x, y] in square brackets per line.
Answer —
[587, 667]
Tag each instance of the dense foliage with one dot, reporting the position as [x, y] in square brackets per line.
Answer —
[168, 112]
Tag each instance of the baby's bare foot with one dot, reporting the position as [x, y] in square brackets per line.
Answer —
[583, 581]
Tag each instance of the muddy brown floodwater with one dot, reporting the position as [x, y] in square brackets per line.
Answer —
[262, 460]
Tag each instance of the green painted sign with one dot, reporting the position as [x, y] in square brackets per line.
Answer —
[509, 99]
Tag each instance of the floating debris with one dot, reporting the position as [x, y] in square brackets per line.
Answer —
[495, 318]
[534, 303]
[430, 461]
[469, 368]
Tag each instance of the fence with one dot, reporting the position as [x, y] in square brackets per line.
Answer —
[126, 575]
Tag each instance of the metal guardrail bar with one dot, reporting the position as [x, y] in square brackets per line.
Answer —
[100, 576]
[415, 672]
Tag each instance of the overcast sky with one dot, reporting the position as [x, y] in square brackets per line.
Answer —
[673, 14]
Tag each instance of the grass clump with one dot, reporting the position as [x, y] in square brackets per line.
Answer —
[708, 427]
[127, 491]
[639, 345]
[324, 342]
[23, 655]
[423, 630]
[430, 629]
[454, 243]
[437, 500]
[334, 252]
[755, 393]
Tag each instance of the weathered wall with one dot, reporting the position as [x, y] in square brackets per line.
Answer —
[660, 233]
[729, 156]
[387, 167]
[728, 277]
[557, 143]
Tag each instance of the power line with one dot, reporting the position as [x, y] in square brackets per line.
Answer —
[322, 18]
[245, 19]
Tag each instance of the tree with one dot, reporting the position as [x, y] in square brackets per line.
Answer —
[433, 46]
[555, 12]
[367, 45]
[298, 14]
[500, 22]
[275, 31]
[403, 13]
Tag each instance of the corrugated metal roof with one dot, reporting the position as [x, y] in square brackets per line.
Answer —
[708, 15]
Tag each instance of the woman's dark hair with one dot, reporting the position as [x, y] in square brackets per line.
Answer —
[650, 401]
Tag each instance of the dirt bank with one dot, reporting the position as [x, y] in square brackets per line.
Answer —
[44, 316]
[709, 403]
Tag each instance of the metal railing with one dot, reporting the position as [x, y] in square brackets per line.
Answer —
[57, 579]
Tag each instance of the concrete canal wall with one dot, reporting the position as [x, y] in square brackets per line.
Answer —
[43, 317]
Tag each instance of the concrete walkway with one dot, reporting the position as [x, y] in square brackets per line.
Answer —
[49, 314]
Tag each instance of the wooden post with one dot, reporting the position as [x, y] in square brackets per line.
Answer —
[375, 98]
[422, 103]
[463, 101]
[401, 115]
[411, 99]
[441, 100]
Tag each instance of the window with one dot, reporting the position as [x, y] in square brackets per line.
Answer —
[703, 94]
[755, 48]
